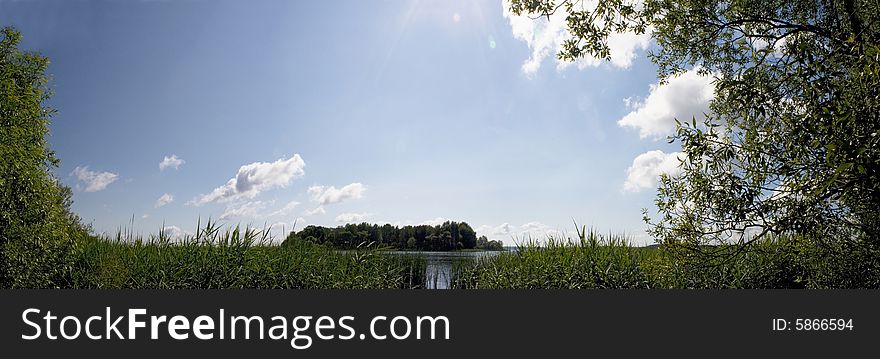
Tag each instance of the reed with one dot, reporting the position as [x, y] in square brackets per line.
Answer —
[603, 261]
[236, 257]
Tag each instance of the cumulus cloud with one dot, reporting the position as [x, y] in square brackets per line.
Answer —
[624, 47]
[242, 210]
[647, 167]
[255, 178]
[352, 217]
[175, 233]
[537, 231]
[511, 234]
[165, 199]
[278, 231]
[505, 229]
[682, 97]
[287, 209]
[170, 162]
[94, 181]
[328, 195]
[545, 37]
[428, 222]
[433, 222]
[299, 222]
[318, 210]
[778, 47]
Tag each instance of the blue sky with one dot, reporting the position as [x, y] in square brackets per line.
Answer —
[403, 112]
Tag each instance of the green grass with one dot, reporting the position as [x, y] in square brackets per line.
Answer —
[234, 258]
[595, 260]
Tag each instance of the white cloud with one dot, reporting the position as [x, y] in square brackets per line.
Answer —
[779, 47]
[624, 47]
[278, 231]
[352, 217]
[175, 233]
[254, 178]
[241, 210]
[545, 38]
[94, 181]
[682, 97]
[647, 167]
[287, 209]
[328, 195]
[505, 229]
[318, 210]
[428, 222]
[169, 162]
[165, 199]
[537, 231]
[433, 222]
[512, 235]
[531, 226]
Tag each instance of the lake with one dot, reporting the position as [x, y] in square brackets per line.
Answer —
[439, 264]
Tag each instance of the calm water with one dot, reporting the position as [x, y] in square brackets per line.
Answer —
[439, 264]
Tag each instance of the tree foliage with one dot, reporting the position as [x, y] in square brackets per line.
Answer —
[36, 226]
[447, 236]
[791, 145]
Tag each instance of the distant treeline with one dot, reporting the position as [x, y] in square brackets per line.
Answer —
[448, 236]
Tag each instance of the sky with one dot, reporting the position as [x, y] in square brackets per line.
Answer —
[283, 114]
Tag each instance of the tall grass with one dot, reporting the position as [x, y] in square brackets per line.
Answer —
[774, 262]
[596, 260]
[235, 257]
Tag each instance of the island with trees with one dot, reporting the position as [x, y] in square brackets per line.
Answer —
[448, 236]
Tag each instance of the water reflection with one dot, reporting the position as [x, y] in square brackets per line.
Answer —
[439, 264]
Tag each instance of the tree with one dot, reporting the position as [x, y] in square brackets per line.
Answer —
[443, 237]
[36, 227]
[468, 235]
[485, 243]
[792, 142]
